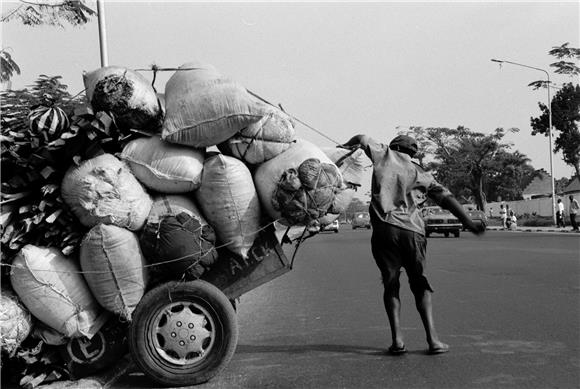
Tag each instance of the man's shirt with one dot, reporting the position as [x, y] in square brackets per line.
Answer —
[399, 187]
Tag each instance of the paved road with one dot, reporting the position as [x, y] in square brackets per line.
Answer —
[507, 303]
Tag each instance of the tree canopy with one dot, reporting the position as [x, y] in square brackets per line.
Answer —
[476, 166]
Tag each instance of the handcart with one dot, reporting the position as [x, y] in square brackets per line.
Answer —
[186, 332]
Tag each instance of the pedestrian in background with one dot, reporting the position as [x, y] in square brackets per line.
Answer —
[574, 208]
[503, 215]
[399, 187]
[560, 214]
[513, 221]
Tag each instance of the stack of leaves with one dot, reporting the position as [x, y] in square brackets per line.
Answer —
[34, 160]
[36, 363]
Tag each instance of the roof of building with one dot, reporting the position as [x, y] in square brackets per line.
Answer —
[540, 185]
[573, 186]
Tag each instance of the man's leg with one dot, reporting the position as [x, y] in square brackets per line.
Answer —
[393, 308]
[425, 309]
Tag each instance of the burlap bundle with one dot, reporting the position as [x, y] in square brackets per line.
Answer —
[178, 239]
[262, 140]
[298, 186]
[127, 95]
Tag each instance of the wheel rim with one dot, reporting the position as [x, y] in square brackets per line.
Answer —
[185, 333]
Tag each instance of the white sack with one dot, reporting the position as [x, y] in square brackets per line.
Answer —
[15, 322]
[51, 287]
[114, 266]
[204, 108]
[103, 190]
[163, 166]
[262, 140]
[228, 199]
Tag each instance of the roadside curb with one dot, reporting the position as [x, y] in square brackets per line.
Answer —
[104, 380]
[534, 229]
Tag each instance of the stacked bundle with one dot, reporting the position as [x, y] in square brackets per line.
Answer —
[163, 205]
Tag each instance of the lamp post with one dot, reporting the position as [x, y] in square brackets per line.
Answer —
[549, 130]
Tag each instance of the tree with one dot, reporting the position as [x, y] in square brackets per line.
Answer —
[565, 118]
[565, 106]
[38, 13]
[467, 162]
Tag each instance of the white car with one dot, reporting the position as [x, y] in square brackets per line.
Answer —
[332, 226]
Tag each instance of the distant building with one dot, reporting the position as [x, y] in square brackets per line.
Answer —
[573, 188]
[541, 186]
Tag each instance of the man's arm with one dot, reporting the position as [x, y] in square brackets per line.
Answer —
[452, 205]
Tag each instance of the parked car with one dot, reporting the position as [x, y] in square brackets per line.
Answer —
[441, 221]
[478, 217]
[334, 226]
[361, 220]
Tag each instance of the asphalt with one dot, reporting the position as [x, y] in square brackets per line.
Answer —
[107, 378]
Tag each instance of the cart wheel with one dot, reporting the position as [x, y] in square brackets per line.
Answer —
[456, 234]
[183, 333]
[446, 234]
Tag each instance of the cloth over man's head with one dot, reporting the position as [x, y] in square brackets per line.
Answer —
[404, 144]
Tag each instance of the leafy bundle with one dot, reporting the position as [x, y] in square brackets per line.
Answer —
[34, 161]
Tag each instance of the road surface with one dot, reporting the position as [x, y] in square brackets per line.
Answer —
[507, 303]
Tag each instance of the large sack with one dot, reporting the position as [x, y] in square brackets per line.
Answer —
[103, 190]
[352, 165]
[114, 268]
[178, 239]
[51, 286]
[205, 108]
[298, 186]
[127, 95]
[163, 166]
[262, 140]
[15, 322]
[228, 199]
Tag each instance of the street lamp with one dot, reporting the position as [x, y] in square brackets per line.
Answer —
[549, 130]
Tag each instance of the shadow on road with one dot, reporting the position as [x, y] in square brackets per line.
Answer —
[305, 348]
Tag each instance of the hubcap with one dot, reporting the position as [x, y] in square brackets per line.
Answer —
[184, 332]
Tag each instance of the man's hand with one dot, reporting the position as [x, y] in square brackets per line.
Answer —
[478, 229]
[355, 142]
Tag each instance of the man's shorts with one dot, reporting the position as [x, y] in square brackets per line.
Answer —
[395, 247]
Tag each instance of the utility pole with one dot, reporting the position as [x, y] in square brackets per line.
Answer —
[102, 33]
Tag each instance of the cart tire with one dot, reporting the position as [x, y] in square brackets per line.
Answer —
[183, 333]
[456, 234]
[446, 234]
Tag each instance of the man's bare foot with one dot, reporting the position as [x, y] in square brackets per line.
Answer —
[438, 348]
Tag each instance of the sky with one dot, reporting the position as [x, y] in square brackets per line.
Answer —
[344, 68]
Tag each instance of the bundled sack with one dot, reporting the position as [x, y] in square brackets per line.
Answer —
[352, 165]
[298, 186]
[204, 108]
[103, 190]
[114, 268]
[15, 323]
[262, 140]
[228, 199]
[177, 238]
[51, 286]
[163, 166]
[127, 95]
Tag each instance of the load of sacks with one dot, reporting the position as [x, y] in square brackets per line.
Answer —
[165, 204]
